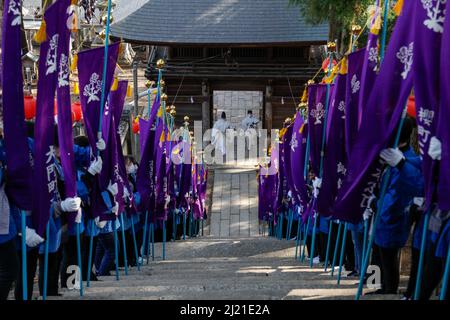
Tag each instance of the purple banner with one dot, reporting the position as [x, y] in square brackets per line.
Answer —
[298, 153]
[317, 94]
[90, 73]
[335, 160]
[380, 121]
[65, 131]
[353, 87]
[427, 56]
[443, 133]
[45, 188]
[18, 154]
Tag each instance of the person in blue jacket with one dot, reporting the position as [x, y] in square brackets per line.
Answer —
[10, 227]
[405, 184]
[439, 235]
[105, 250]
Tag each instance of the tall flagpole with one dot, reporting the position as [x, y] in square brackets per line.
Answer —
[99, 132]
[331, 46]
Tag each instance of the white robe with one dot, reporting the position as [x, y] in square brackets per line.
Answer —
[218, 135]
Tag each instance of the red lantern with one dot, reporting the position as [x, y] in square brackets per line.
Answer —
[412, 106]
[77, 115]
[135, 127]
[29, 103]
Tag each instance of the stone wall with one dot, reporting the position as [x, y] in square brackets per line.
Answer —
[236, 104]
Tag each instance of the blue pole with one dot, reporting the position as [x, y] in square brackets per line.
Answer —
[174, 225]
[124, 244]
[24, 257]
[144, 239]
[91, 245]
[327, 255]
[384, 35]
[138, 264]
[313, 240]
[423, 245]
[297, 241]
[341, 258]
[446, 277]
[116, 250]
[324, 133]
[384, 187]
[164, 241]
[149, 242]
[47, 236]
[184, 225]
[105, 67]
[305, 238]
[366, 232]
[80, 270]
[336, 246]
[152, 228]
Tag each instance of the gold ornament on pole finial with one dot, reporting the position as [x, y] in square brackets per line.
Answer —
[104, 19]
[356, 29]
[288, 121]
[186, 121]
[164, 97]
[149, 84]
[160, 64]
[331, 46]
[173, 113]
[172, 107]
[162, 83]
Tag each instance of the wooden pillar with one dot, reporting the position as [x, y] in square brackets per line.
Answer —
[268, 115]
[206, 105]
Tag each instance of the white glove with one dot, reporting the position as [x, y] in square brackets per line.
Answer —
[167, 201]
[71, 204]
[435, 149]
[78, 217]
[317, 184]
[113, 188]
[115, 209]
[126, 194]
[367, 214]
[96, 166]
[100, 224]
[418, 201]
[32, 238]
[101, 145]
[392, 156]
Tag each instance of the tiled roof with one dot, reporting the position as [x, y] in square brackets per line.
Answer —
[200, 22]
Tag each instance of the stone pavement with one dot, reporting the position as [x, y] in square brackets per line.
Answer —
[234, 211]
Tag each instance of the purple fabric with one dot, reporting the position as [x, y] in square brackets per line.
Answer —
[160, 171]
[44, 181]
[335, 158]
[90, 71]
[380, 122]
[65, 131]
[427, 56]
[287, 138]
[116, 102]
[18, 154]
[298, 152]
[316, 106]
[443, 133]
[353, 87]
[144, 176]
